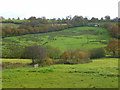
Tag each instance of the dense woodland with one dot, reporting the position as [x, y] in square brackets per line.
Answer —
[39, 53]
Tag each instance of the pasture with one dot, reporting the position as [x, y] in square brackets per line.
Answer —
[100, 73]
[75, 38]
[24, 61]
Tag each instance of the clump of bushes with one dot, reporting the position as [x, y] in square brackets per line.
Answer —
[113, 48]
[106, 25]
[46, 55]
[12, 51]
[53, 52]
[41, 55]
[45, 62]
[75, 57]
[97, 53]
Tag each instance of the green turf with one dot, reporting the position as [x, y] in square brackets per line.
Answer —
[16, 60]
[101, 73]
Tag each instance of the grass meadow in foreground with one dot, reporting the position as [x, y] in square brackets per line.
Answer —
[100, 73]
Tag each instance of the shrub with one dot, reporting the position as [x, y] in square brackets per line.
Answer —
[106, 25]
[84, 57]
[12, 51]
[53, 52]
[65, 55]
[75, 57]
[113, 47]
[62, 61]
[45, 62]
[97, 53]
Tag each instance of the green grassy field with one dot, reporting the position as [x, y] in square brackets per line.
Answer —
[100, 73]
[79, 37]
[16, 60]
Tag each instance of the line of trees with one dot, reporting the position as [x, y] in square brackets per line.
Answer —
[106, 18]
[113, 47]
[28, 29]
[39, 25]
[47, 55]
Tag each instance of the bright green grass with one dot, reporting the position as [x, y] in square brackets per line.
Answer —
[78, 37]
[16, 60]
[101, 73]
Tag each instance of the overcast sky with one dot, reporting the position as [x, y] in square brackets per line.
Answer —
[58, 8]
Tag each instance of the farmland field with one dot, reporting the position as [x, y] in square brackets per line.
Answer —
[16, 60]
[100, 73]
[76, 38]
[54, 46]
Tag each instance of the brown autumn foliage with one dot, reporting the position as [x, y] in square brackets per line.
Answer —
[113, 47]
[65, 55]
[38, 25]
[75, 57]
[30, 28]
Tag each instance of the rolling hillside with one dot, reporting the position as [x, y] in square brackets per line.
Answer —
[79, 37]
